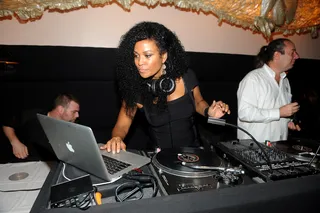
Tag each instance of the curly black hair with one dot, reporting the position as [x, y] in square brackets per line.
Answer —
[132, 86]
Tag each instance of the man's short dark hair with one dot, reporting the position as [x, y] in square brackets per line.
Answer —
[64, 100]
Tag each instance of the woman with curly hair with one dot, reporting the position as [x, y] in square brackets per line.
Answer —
[153, 77]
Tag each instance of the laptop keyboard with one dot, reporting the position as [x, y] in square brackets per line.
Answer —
[114, 165]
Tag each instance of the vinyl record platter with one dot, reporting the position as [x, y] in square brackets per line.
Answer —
[192, 169]
[300, 149]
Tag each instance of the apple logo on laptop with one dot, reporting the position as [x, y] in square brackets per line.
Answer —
[69, 146]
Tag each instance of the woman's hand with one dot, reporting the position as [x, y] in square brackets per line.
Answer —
[218, 109]
[115, 144]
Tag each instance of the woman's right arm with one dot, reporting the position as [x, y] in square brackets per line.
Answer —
[119, 132]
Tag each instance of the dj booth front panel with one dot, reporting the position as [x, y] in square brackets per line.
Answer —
[290, 195]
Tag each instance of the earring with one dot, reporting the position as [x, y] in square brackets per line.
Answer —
[164, 69]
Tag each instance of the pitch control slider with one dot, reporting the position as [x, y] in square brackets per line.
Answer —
[232, 170]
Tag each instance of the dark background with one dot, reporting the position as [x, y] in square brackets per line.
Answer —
[88, 73]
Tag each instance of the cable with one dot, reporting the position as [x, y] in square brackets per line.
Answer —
[105, 183]
[134, 186]
[63, 172]
[145, 178]
[87, 200]
[265, 155]
[137, 184]
[222, 122]
[97, 184]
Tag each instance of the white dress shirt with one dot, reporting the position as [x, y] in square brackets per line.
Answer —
[259, 100]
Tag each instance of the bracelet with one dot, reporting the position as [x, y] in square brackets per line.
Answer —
[206, 114]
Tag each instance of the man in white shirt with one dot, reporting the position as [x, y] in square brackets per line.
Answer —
[264, 94]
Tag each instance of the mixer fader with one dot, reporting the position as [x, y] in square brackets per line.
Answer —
[254, 159]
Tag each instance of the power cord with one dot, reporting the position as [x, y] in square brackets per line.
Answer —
[96, 184]
[125, 191]
[63, 172]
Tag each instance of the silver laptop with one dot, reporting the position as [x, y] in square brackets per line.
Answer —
[76, 145]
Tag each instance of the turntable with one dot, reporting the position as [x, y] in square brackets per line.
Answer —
[303, 150]
[171, 162]
[188, 169]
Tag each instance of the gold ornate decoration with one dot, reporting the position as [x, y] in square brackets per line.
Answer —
[265, 16]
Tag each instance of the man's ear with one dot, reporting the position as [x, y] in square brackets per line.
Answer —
[60, 109]
[276, 55]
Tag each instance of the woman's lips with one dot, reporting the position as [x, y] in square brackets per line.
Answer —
[143, 70]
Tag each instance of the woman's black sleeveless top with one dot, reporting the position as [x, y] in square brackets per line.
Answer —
[175, 127]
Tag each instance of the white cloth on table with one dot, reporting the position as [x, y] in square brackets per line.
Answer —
[19, 201]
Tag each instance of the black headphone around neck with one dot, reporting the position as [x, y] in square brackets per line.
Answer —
[164, 85]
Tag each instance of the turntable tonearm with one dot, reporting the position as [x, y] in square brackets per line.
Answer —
[193, 169]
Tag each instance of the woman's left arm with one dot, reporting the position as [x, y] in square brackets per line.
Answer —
[216, 110]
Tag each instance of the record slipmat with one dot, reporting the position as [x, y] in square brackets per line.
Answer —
[300, 149]
[170, 160]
